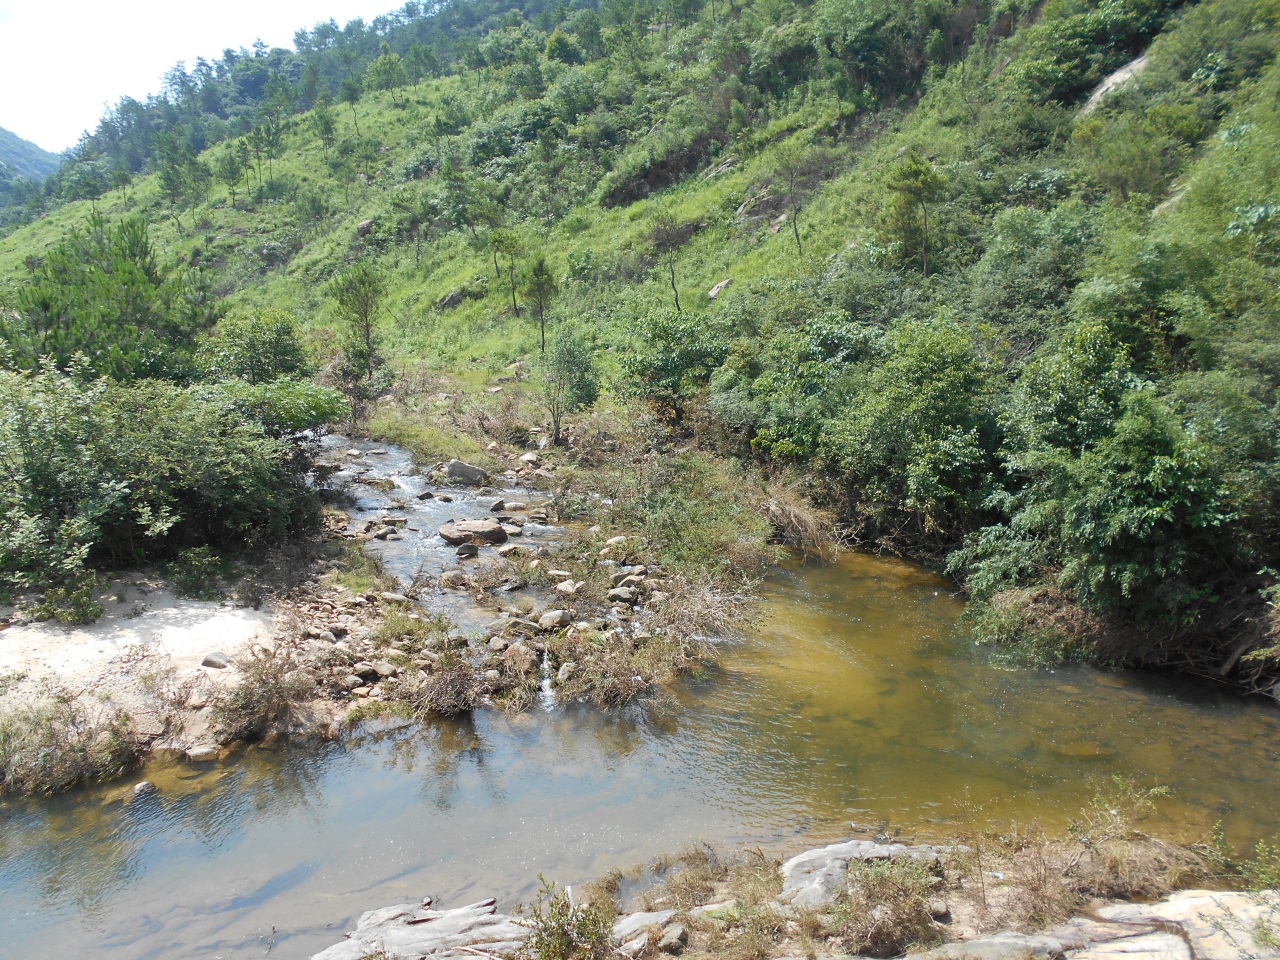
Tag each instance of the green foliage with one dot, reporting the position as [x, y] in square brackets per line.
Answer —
[360, 292]
[917, 435]
[99, 472]
[257, 349]
[672, 359]
[561, 930]
[103, 295]
[570, 382]
[196, 573]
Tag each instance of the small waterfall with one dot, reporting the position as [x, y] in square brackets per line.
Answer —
[546, 696]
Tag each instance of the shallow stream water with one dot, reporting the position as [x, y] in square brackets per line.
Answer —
[855, 697]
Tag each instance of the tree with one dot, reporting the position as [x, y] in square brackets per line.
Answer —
[673, 359]
[350, 92]
[360, 292]
[386, 73]
[540, 286]
[916, 181]
[791, 168]
[102, 293]
[666, 237]
[258, 348]
[120, 180]
[507, 244]
[323, 124]
[569, 379]
[230, 166]
[421, 63]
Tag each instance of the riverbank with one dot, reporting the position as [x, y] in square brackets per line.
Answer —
[866, 897]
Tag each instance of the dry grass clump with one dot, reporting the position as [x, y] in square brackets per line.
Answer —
[613, 669]
[410, 630]
[451, 688]
[691, 878]
[58, 741]
[273, 692]
[886, 908]
[795, 521]
[561, 929]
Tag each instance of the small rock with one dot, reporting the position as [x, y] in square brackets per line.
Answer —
[498, 506]
[493, 675]
[444, 498]
[202, 753]
[615, 541]
[508, 549]
[364, 228]
[719, 288]
[384, 669]
[627, 595]
[350, 682]
[216, 660]
[635, 948]
[939, 910]
[531, 458]
[144, 788]
[567, 588]
[559, 573]
[498, 644]
[674, 938]
[453, 580]
[512, 530]
[566, 671]
[426, 495]
[390, 597]
[555, 620]
[467, 551]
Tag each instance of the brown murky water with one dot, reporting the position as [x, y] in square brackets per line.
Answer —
[856, 698]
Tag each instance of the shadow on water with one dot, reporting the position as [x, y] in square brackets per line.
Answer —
[855, 696]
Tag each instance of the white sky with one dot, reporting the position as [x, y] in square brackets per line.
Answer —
[63, 61]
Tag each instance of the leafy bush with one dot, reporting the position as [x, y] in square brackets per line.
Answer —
[561, 930]
[98, 472]
[886, 908]
[256, 349]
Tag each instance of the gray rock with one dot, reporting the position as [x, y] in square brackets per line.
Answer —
[202, 753]
[465, 473]
[566, 672]
[467, 551]
[674, 938]
[555, 620]
[627, 595]
[719, 288]
[813, 878]
[453, 579]
[635, 947]
[144, 788]
[409, 930]
[629, 927]
[498, 644]
[384, 669]
[390, 597]
[493, 675]
[364, 228]
[217, 660]
[473, 531]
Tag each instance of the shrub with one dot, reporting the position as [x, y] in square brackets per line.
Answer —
[56, 742]
[562, 930]
[272, 689]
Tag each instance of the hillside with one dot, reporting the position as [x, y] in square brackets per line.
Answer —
[986, 324]
[24, 158]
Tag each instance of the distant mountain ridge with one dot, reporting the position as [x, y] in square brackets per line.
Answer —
[24, 158]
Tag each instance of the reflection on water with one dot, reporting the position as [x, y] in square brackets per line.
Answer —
[854, 698]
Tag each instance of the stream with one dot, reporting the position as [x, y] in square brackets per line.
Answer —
[854, 697]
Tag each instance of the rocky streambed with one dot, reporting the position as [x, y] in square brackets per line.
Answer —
[1188, 925]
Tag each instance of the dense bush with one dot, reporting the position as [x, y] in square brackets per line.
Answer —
[98, 472]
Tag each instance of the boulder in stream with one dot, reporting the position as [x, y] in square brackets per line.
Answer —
[465, 473]
[473, 531]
